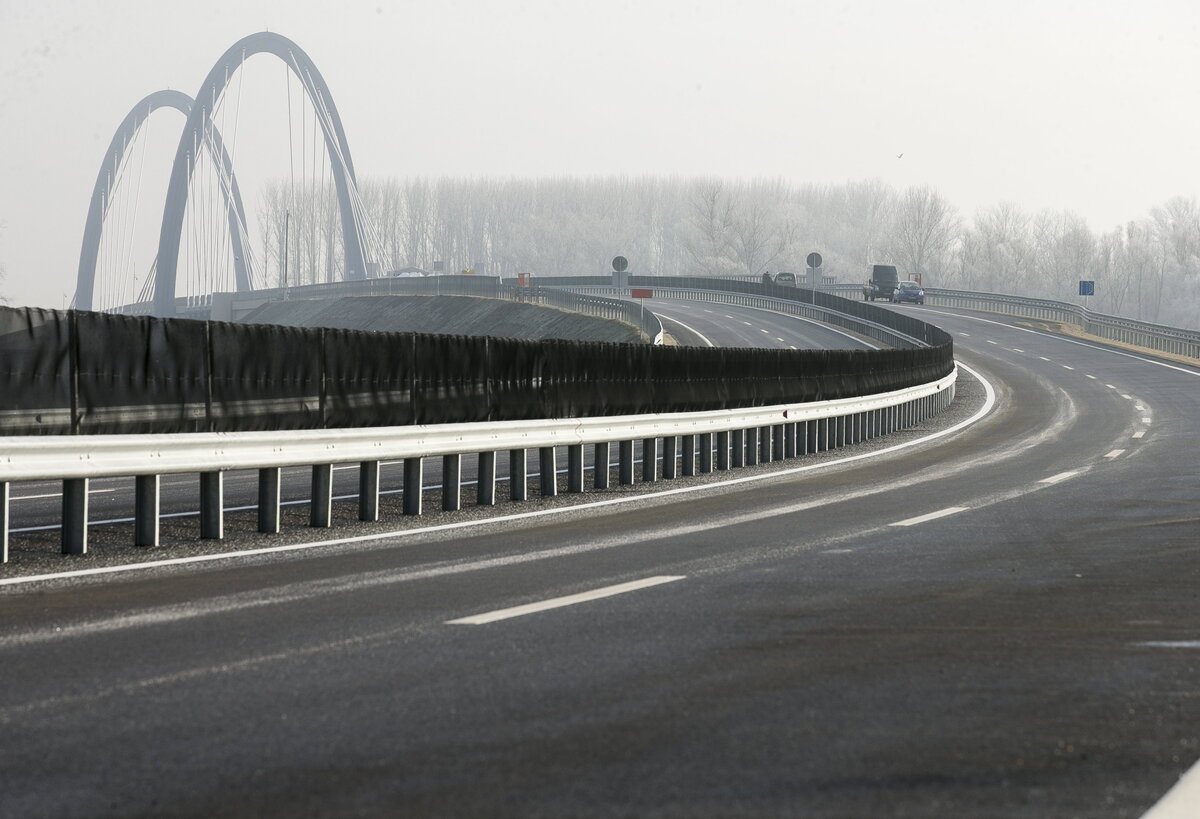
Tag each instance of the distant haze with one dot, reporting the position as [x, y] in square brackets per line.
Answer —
[1091, 107]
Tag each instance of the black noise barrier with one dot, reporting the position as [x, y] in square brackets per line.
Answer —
[72, 372]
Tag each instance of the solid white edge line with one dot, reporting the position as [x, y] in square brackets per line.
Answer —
[58, 495]
[1179, 802]
[941, 513]
[690, 329]
[989, 404]
[560, 602]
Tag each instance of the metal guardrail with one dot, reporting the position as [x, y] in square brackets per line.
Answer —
[870, 329]
[1114, 328]
[595, 305]
[738, 438]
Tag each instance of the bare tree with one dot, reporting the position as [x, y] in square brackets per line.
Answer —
[925, 228]
[710, 216]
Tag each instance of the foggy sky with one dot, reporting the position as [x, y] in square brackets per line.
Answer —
[1089, 106]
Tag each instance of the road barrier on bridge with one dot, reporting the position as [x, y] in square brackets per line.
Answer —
[260, 396]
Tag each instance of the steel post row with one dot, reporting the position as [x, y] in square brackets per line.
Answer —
[683, 455]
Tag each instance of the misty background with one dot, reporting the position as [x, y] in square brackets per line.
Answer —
[1015, 147]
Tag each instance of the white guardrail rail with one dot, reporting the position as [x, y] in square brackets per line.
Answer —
[691, 442]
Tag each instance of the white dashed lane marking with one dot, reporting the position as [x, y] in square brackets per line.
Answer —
[941, 513]
[1061, 476]
[560, 602]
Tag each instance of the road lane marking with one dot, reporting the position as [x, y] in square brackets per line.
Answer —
[1067, 367]
[1127, 397]
[1060, 477]
[1139, 433]
[560, 602]
[1116, 453]
[989, 341]
[1091, 377]
[1017, 350]
[965, 335]
[1043, 358]
[1145, 419]
[1169, 644]
[1179, 802]
[58, 495]
[690, 329]
[941, 513]
[1110, 386]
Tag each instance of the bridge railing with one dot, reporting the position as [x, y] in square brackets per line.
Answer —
[1115, 328]
[594, 304]
[324, 397]
[687, 443]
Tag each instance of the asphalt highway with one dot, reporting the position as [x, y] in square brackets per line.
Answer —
[995, 620]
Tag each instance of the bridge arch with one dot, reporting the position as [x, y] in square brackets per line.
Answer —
[85, 283]
[299, 63]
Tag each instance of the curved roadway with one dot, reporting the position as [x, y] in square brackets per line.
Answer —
[1000, 621]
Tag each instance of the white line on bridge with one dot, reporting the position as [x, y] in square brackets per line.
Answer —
[1116, 453]
[941, 513]
[1060, 477]
[690, 329]
[59, 495]
[560, 602]
[1140, 433]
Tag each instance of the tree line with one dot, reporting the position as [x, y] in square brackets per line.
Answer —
[1148, 269]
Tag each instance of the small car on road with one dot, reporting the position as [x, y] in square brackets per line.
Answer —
[908, 291]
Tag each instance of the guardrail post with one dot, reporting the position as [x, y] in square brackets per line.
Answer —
[485, 494]
[74, 516]
[451, 483]
[738, 445]
[766, 444]
[600, 466]
[414, 474]
[368, 491]
[518, 475]
[320, 514]
[268, 500]
[548, 471]
[704, 443]
[212, 505]
[723, 446]
[777, 444]
[670, 448]
[789, 440]
[810, 437]
[687, 446]
[575, 468]
[3, 521]
[145, 510]
[649, 460]
[625, 462]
